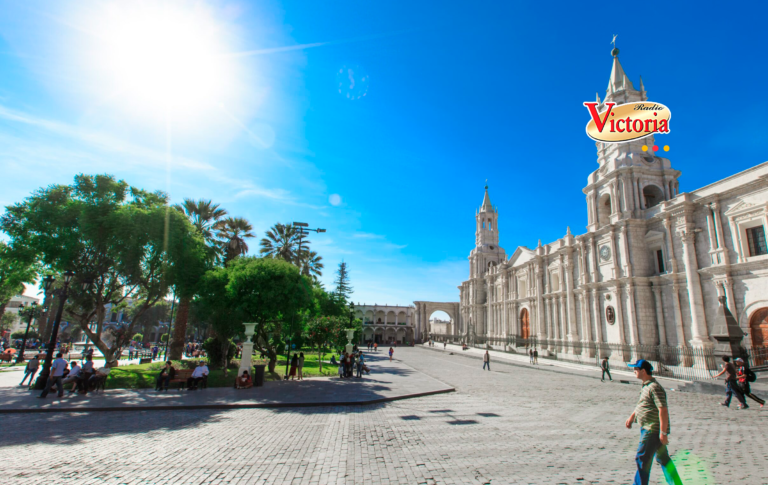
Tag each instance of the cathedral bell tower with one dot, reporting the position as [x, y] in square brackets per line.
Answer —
[487, 252]
[629, 179]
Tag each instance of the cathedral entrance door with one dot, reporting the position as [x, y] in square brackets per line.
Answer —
[758, 330]
[525, 324]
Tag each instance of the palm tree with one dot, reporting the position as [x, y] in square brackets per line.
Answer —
[204, 215]
[281, 242]
[311, 264]
[232, 233]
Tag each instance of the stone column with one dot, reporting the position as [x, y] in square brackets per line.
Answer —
[669, 246]
[246, 359]
[598, 315]
[659, 304]
[539, 304]
[572, 333]
[698, 320]
[620, 315]
[679, 328]
[631, 315]
[721, 237]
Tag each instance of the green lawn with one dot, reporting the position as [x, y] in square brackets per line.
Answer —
[142, 376]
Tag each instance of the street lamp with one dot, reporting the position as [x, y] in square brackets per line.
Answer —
[32, 307]
[43, 377]
[303, 231]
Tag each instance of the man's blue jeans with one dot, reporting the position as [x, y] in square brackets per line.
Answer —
[650, 446]
[486, 364]
[31, 375]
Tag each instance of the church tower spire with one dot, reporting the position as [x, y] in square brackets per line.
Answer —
[486, 218]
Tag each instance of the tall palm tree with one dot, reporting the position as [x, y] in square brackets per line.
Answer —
[204, 215]
[281, 242]
[311, 264]
[232, 233]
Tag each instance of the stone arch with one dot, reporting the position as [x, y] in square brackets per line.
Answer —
[391, 317]
[380, 317]
[604, 210]
[401, 317]
[652, 195]
[368, 316]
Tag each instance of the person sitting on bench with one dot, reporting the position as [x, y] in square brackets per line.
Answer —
[200, 373]
[165, 377]
[244, 381]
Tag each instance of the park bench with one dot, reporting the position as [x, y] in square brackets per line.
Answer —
[184, 374]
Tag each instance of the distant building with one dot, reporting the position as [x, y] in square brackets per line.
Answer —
[14, 306]
[386, 324]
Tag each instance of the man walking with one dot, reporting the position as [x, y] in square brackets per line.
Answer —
[731, 384]
[652, 414]
[31, 370]
[54, 378]
[487, 361]
[606, 369]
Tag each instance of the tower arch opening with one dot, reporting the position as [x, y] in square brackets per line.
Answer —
[652, 195]
[604, 210]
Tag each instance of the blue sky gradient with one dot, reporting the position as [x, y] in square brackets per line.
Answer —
[455, 93]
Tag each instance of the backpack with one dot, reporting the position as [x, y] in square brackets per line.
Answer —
[751, 376]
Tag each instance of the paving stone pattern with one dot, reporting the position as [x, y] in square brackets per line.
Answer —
[511, 425]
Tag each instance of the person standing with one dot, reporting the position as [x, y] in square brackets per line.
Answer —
[294, 366]
[652, 414]
[745, 375]
[31, 370]
[360, 365]
[487, 361]
[530, 352]
[131, 350]
[55, 377]
[391, 353]
[376, 347]
[535, 356]
[731, 384]
[301, 366]
[606, 369]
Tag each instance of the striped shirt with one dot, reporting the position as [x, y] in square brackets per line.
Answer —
[652, 397]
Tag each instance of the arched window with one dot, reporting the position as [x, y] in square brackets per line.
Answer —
[652, 195]
[490, 225]
[483, 224]
[604, 210]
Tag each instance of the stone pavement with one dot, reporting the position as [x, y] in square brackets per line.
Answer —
[511, 425]
[387, 381]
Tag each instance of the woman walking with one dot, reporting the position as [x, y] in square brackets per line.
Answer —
[391, 352]
[294, 365]
[743, 375]
[301, 366]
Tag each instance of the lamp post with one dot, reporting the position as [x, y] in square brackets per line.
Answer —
[42, 379]
[350, 330]
[32, 307]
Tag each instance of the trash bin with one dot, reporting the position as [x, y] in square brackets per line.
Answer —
[258, 375]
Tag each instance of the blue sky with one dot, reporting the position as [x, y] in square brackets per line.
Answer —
[264, 120]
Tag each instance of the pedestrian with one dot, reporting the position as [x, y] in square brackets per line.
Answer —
[131, 350]
[445, 344]
[535, 356]
[301, 366]
[294, 366]
[652, 414]
[745, 375]
[376, 347]
[606, 369]
[360, 365]
[391, 353]
[487, 361]
[731, 384]
[31, 370]
[55, 376]
[341, 365]
[530, 353]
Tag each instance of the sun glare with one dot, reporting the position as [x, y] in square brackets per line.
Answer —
[163, 59]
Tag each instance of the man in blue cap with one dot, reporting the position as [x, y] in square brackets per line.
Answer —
[652, 415]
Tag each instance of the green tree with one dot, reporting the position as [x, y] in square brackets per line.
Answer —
[232, 233]
[17, 266]
[343, 288]
[265, 291]
[281, 242]
[311, 264]
[122, 241]
[151, 317]
[7, 321]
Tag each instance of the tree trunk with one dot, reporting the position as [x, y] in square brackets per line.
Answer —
[224, 354]
[320, 358]
[272, 362]
[180, 329]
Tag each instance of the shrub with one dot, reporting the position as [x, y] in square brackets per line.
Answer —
[138, 337]
[164, 337]
[19, 334]
[213, 349]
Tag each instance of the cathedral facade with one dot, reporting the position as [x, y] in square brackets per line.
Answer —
[652, 267]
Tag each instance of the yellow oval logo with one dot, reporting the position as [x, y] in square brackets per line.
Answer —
[626, 122]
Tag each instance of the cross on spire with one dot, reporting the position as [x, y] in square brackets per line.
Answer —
[614, 39]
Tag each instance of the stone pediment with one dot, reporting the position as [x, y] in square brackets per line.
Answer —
[521, 256]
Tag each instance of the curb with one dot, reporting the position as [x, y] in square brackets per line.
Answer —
[226, 406]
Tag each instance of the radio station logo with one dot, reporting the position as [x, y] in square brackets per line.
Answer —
[630, 121]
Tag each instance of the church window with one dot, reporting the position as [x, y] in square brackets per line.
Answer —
[756, 241]
[483, 224]
[604, 210]
[652, 195]
[490, 227]
[659, 261]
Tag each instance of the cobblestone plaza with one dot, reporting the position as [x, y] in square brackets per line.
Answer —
[514, 424]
